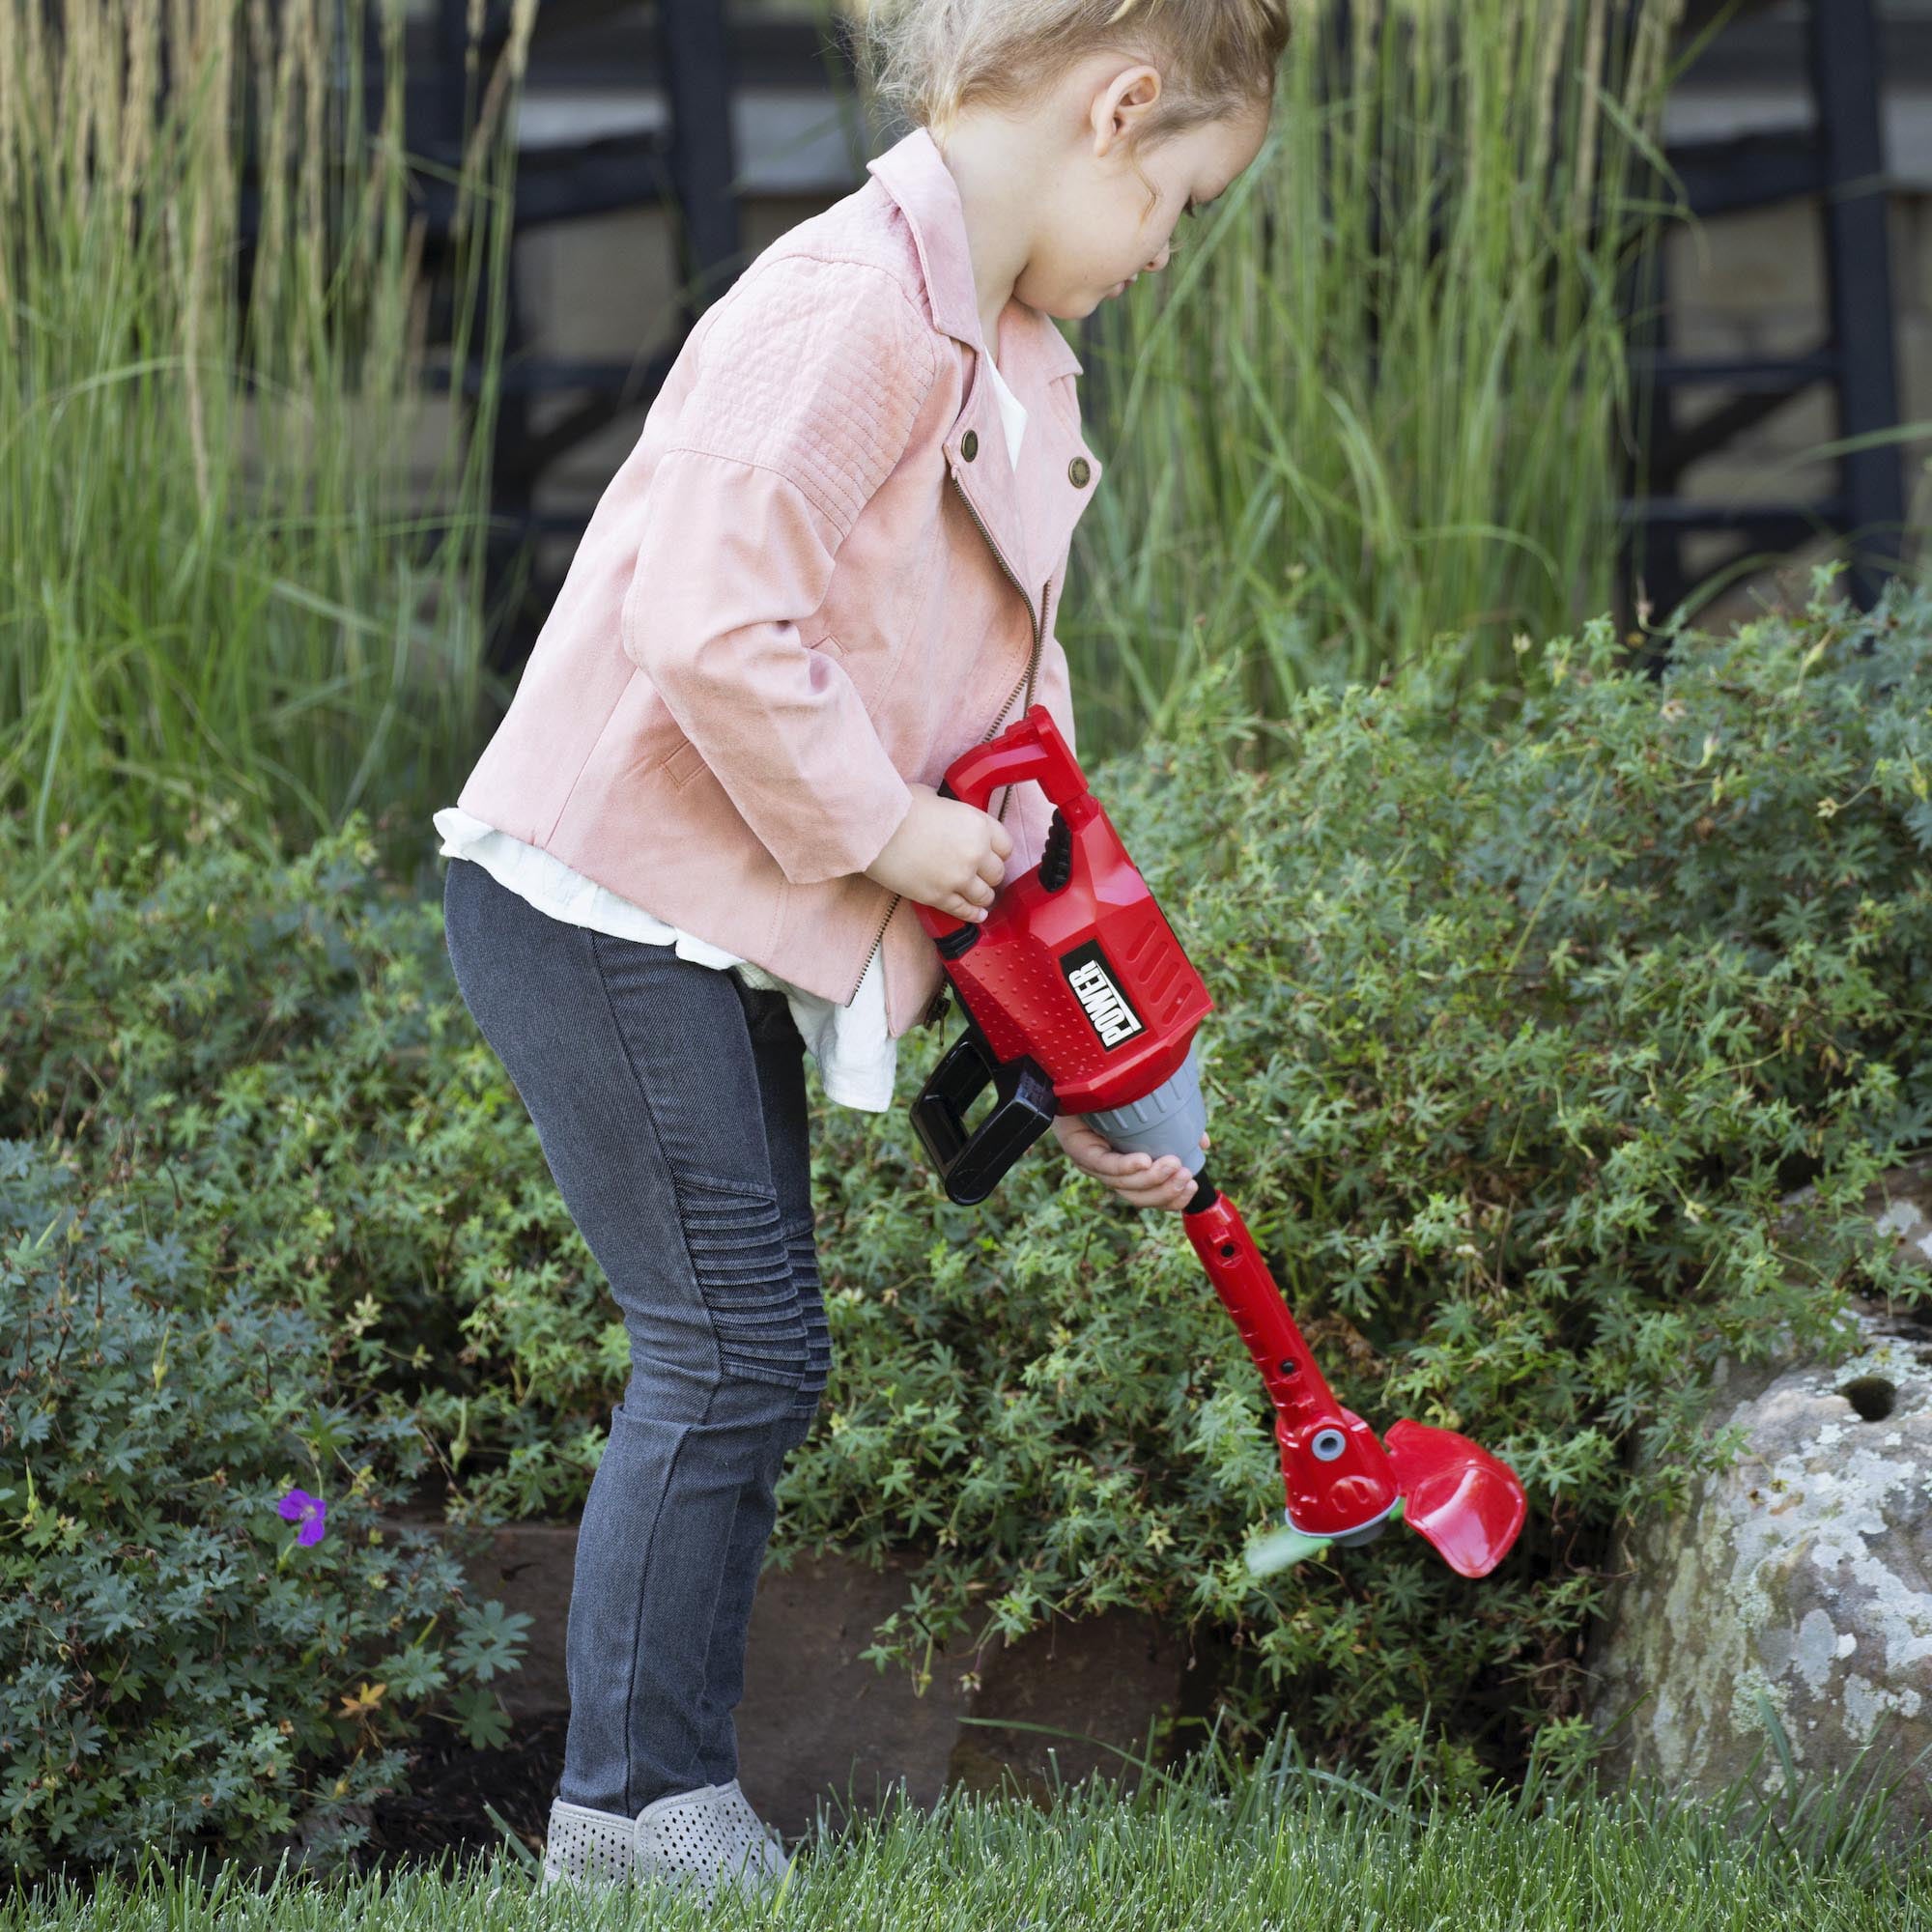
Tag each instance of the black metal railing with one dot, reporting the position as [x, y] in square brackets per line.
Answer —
[1838, 159]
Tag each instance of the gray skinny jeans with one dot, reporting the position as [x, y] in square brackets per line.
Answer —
[670, 1101]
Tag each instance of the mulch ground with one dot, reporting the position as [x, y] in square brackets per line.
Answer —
[446, 1813]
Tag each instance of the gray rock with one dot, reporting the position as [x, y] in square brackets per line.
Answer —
[1803, 1573]
[526, 1566]
[1901, 1204]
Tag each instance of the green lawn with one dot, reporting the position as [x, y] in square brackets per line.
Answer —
[1294, 1851]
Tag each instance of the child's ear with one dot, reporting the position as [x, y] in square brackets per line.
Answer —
[1122, 103]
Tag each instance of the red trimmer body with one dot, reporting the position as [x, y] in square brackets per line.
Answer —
[1080, 1000]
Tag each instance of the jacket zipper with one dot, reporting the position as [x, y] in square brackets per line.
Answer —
[1027, 678]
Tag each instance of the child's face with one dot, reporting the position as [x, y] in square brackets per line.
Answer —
[1093, 230]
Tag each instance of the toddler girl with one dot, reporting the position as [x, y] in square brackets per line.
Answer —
[691, 851]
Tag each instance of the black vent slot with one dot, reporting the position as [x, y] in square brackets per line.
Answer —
[1056, 861]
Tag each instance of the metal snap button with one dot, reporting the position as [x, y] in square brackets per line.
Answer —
[969, 445]
[1079, 471]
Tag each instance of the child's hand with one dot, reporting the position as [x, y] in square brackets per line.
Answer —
[1138, 1179]
[947, 854]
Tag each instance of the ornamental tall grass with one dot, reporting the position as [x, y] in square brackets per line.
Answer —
[1367, 419]
[223, 593]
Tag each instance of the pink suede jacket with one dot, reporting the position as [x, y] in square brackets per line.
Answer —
[815, 577]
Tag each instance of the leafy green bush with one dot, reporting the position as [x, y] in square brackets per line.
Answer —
[1527, 1017]
[288, 1043]
[179, 1667]
[1523, 1031]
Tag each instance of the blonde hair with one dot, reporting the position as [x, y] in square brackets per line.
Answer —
[930, 58]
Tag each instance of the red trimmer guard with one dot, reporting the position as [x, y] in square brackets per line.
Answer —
[1457, 1495]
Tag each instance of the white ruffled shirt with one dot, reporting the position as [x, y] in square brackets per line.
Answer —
[857, 1058]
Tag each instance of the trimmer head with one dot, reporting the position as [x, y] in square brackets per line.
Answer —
[1462, 1501]
[1345, 1485]
[1280, 1548]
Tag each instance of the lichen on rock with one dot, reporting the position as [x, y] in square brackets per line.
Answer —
[1803, 1571]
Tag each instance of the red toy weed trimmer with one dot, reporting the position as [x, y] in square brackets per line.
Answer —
[1079, 1000]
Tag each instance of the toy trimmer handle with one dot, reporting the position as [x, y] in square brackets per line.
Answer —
[1030, 748]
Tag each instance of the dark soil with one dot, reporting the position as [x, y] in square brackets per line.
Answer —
[443, 1814]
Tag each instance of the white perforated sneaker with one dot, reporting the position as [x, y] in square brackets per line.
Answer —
[775, 1859]
[703, 1837]
[586, 1847]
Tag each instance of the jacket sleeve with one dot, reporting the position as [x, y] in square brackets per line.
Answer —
[810, 377]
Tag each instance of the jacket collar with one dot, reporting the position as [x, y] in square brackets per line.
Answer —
[1028, 515]
[915, 173]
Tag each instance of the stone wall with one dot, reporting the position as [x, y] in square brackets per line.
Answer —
[823, 1728]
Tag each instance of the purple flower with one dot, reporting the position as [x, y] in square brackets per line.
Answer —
[299, 1506]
